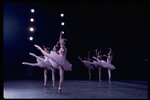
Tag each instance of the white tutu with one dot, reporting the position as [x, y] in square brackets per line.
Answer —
[42, 64]
[108, 65]
[54, 64]
[98, 64]
[60, 60]
[88, 65]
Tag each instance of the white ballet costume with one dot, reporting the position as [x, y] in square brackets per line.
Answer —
[60, 60]
[88, 65]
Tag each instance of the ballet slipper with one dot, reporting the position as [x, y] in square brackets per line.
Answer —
[24, 63]
[44, 85]
[59, 90]
[32, 54]
[38, 47]
[109, 82]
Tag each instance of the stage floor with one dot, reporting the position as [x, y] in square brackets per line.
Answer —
[123, 89]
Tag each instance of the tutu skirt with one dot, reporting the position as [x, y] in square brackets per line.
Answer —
[86, 64]
[108, 65]
[98, 64]
[43, 64]
[60, 60]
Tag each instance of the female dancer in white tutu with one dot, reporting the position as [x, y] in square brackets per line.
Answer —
[43, 62]
[98, 65]
[88, 63]
[59, 59]
[107, 64]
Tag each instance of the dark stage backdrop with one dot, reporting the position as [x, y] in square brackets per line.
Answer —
[88, 26]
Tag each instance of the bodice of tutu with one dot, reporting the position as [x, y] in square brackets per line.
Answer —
[63, 51]
[109, 59]
[62, 42]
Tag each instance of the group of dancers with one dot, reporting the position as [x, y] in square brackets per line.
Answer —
[56, 59]
[52, 60]
[99, 63]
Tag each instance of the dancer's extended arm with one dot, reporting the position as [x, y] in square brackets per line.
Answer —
[43, 52]
[60, 37]
[105, 56]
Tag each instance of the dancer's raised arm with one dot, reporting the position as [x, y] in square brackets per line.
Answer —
[96, 52]
[105, 56]
[60, 36]
[43, 52]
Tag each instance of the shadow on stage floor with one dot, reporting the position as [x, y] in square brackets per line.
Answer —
[123, 89]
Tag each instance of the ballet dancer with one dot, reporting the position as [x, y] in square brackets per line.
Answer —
[43, 62]
[60, 59]
[109, 65]
[99, 66]
[88, 63]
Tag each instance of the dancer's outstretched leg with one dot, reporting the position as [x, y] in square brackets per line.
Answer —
[31, 64]
[109, 74]
[45, 76]
[99, 74]
[32, 54]
[89, 73]
[53, 77]
[61, 73]
[43, 52]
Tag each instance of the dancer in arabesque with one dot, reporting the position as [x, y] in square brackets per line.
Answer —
[88, 63]
[108, 64]
[43, 62]
[98, 65]
[60, 59]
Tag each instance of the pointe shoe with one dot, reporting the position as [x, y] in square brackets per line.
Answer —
[59, 90]
[32, 54]
[89, 78]
[109, 81]
[36, 45]
[24, 62]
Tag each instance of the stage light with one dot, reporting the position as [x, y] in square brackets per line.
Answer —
[31, 29]
[32, 20]
[62, 15]
[30, 38]
[62, 23]
[32, 10]
[62, 32]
